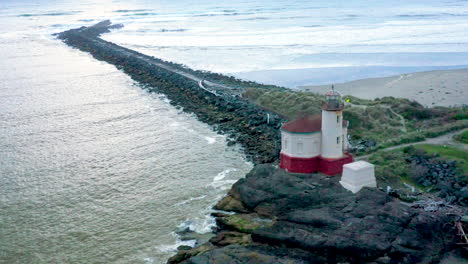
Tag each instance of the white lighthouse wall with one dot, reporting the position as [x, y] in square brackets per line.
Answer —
[345, 139]
[331, 130]
[300, 145]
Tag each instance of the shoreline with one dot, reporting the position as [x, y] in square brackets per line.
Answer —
[294, 78]
[430, 88]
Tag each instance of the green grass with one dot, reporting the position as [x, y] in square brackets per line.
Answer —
[449, 153]
[463, 137]
[390, 168]
[286, 103]
[371, 119]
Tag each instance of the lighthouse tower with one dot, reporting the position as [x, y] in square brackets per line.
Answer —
[334, 135]
[333, 140]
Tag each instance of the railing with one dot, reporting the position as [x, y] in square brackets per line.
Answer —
[332, 105]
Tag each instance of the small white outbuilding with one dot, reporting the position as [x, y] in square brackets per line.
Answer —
[357, 175]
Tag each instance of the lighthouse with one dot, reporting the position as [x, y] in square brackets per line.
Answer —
[332, 125]
[317, 142]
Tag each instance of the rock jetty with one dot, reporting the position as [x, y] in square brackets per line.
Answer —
[213, 98]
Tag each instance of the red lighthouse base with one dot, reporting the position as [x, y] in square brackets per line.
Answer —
[299, 165]
[334, 166]
[314, 164]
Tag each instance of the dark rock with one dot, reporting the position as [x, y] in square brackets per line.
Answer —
[229, 203]
[321, 217]
[183, 247]
[245, 223]
[227, 238]
[383, 260]
[426, 183]
[313, 214]
[424, 240]
[254, 255]
[186, 254]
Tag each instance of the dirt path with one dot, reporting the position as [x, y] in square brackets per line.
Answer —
[446, 139]
[402, 119]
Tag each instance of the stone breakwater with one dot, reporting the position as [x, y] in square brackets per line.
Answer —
[292, 218]
[213, 98]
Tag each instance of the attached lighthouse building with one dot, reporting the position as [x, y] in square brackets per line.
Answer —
[318, 142]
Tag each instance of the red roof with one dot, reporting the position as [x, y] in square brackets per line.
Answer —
[304, 124]
[307, 124]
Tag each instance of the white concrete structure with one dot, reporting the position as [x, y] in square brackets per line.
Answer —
[357, 175]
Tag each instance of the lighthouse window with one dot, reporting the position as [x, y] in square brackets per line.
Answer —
[338, 140]
[338, 119]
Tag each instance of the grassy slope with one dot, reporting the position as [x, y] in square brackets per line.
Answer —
[449, 153]
[379, 120]
[392, 168]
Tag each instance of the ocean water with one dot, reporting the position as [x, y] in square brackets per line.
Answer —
[93, 169]
[296, 43]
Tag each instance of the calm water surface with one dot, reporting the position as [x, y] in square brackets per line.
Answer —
[92, 168]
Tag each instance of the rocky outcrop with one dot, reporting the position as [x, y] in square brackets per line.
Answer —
[315, 220]
[441, 175]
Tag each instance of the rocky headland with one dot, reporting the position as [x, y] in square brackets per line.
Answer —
[292, 218]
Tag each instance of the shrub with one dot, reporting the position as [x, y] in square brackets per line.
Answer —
[460, 116]
[463, 137]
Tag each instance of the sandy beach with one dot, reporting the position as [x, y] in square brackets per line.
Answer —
[431, 88]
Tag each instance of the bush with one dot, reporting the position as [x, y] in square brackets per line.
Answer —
[412, 112]
[463, 137]
[460, 116]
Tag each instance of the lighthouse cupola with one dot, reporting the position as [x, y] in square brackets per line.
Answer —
[333, 138]
[333, 101]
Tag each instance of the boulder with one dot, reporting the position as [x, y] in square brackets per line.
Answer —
[245, 223]
[186, 254]
[230, 237]
[229, 203]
